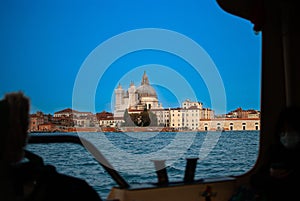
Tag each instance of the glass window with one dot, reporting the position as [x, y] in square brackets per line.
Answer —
[193, 39]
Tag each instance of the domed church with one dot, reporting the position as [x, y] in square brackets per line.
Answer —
[136, 98]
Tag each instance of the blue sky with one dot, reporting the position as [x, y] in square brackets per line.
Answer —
[45, 43]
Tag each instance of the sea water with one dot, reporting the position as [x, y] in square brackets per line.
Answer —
[219, 154]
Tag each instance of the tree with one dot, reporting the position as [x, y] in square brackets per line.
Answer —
[153, 119]
[146, 121]
[143, 119]
[127, 118]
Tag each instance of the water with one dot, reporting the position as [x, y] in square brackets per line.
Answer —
[220, 154]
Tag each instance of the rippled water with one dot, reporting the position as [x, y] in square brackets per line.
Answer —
[220, 154]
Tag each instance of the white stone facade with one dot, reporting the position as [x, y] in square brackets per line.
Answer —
[136, 98]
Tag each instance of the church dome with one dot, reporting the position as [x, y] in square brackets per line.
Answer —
[145, 90]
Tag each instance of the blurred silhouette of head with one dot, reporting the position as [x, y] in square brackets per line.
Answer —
[14, 122]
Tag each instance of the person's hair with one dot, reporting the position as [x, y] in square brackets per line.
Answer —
[14, 122]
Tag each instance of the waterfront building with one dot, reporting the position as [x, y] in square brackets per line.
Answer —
[47, 127]
[234, 124]
[107, 119]
[189, 115]
[240, 113]
[183, 118]
[163, 117]
[188, 104]
[177, 118]
[69, 116]
[37, 119]
[68, 112]
[136, 98]
[207, 113]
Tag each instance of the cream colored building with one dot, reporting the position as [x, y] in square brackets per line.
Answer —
[136, 98]
[189, 115]
[163, 116]
[185, 119]
[236, 124]
[111, 122]
[188, 104]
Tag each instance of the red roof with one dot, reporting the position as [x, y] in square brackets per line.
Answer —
[68, 110]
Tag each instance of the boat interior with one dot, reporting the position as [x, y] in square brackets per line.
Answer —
[277, 21]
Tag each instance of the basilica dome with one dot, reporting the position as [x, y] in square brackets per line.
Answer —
[146, 90]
